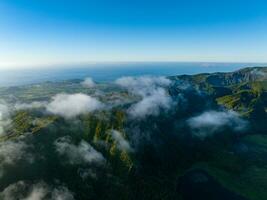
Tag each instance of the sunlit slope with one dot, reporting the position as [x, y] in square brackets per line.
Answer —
[244, 90]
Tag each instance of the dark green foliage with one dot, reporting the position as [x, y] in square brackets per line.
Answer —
[165, 149]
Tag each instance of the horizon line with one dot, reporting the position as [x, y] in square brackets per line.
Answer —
[83, 64]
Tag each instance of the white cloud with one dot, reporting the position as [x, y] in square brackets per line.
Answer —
[78, 154]
[85, 173]
[62, 193]
[4, 117]
[32, 105]
[71, 105]
[4, 111]
[152, 92]
[12, 152]
[88, 82]
[210, 122]
[39, 191]
[13, 191]
[151, 104]
[142, 85]
[122, 143]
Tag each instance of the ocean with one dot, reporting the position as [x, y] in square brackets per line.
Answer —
[106, 72]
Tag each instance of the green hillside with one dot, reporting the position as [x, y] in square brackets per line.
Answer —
[159, 156]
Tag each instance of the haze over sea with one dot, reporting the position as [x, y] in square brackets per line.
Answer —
[105, 72]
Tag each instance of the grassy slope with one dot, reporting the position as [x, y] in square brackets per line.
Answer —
[251, 179]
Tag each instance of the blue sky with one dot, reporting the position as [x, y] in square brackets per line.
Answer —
[48, 32]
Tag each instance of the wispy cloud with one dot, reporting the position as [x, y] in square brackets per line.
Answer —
[4, 117]
[78, 154]
[88, 82]
[209, 122]
[84, 173]
[152, 92]
[142, 84]
[122, 143]
[13, 151]
[62, 193]
[38, 191]
[151, 104]
[32, 105]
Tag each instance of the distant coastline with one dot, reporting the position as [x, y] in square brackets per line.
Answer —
[105, 72]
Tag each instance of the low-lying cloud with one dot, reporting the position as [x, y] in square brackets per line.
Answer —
[72, 105]
[209, 122]
[121, 142]
[4, 118]
[39, 191]
[142, 85]
[152, 92]
[32, 105]
[83, 153]
[13, 151]
[151, 104]
[88, 82]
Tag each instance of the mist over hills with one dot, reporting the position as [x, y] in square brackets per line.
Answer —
[185, 137]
